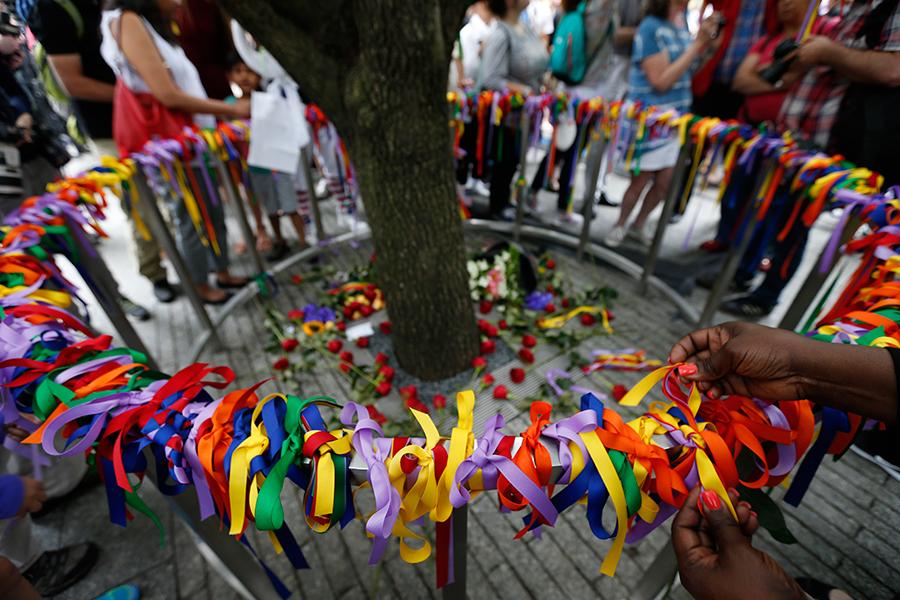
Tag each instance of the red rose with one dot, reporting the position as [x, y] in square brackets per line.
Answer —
[487, 347]
[366, 311]
[609, 315]
[482, 325]
[487, 380]
[369, 294]
[341, 325]
[410, 391]
[334, 346]
[348, 312]
[587, 319]
[418, 405]
[381, 358]
[383, 388]
[362, 342]
[439, 401]
[344, 367]
[281, 364]
[491, 331]
[347, 356]
[385, 327]
[529, 341]
[376, 415]
[298, 279]
[295, 315]
[526, 356]
[478, 363]
[619, 391]
[387, 373]
[485, 307]
[501, 393]
[550, 308]
[565, 302]
[289, 344]
[550, 288]
[517, 375]
[502, 324]
[550, 264]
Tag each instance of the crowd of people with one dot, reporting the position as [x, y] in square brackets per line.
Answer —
[79, 75]
[825, 72]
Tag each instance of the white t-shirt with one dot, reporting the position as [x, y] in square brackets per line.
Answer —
[183, 71]
[471, 38]
[539, 17]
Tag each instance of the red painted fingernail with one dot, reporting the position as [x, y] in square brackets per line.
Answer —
[687, 370]
[744, 504]
[733, 491]
[711, 500]
[753, 514]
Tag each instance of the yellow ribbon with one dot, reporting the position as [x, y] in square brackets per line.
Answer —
[324, 504]
[607, 471]
[253, 446]
[462, 441]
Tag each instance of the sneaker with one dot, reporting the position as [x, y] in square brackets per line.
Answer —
[746, 306]
[279, 251]
[615, 237]
[507, 214]
[569, 219]
[164, 291]
[129, 591]
[133, 309]
[58, 570]
[643, 235]
[481, 188]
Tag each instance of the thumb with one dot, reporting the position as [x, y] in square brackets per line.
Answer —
[721, 526]
[714, 366]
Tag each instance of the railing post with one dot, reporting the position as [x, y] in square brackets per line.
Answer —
[521, 181]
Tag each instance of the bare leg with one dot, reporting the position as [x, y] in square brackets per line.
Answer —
[655, 195]
[275, 221]
[297, 221]
[632, 195]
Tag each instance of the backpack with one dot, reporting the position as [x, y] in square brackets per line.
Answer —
[568, 58]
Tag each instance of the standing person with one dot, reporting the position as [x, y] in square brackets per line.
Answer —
[598, 17]
[538, 16]
[70, 35]
[663, 59]
[139, 45]
[514, 59]
[274, 190]
[743, 22]
[762, 98]
[472, 37]
[202, 31]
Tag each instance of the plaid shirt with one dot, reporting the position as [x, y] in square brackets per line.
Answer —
[748, 27]
[811, 108]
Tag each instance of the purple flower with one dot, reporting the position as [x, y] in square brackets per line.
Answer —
[323, 314]
[538, 300]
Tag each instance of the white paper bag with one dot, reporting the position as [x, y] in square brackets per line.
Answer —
[279, 129]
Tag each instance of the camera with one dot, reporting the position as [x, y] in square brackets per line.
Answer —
[781, 63]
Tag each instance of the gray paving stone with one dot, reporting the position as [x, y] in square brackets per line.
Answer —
[884, 522]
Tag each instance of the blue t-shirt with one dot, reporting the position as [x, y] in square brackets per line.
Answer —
[653, 36]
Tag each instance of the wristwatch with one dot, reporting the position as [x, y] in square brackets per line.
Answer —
[779, 84]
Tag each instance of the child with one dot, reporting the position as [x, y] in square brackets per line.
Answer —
[274, 190]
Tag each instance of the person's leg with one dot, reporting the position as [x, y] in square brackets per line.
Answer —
[506, 159]
[632, 195]
[275, 222]
[662, 179]
[297, 221]
[217, 258]
[263, 241]
[568, 160]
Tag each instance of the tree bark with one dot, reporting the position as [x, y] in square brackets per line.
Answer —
[386, 93]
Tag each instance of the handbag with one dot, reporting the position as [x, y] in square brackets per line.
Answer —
[139, 117]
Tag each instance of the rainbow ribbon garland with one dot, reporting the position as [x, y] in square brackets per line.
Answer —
[80, 395]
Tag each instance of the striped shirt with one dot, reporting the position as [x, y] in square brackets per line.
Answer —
[655, 35]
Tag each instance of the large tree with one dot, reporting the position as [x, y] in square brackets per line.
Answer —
[378, 68]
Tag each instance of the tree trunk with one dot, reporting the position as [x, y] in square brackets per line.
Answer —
[389, 104]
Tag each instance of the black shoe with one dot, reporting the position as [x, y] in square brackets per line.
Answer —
[88, 482]
[58, 570]
[278, 251]
[708, 281]
[604, 201]
[164, 291]
[134, 310]
[746, 306]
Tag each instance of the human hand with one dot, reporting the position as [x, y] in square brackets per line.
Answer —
[746, 359]
[716, 559]
[241, 109]
[33, 497]
[25, 122]
[709, 29]
[816, 50]
[15, 432]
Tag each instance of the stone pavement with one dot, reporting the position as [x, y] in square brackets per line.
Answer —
[847, 526]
